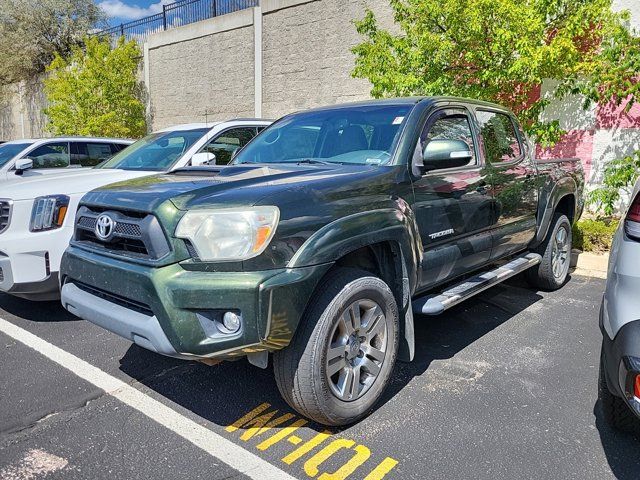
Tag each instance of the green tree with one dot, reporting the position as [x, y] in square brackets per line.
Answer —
[95, 91]
[32, 32]
[501, 51]
[619, 177]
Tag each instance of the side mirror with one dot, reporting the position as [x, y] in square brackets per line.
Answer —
[203, 158]
[23, 165]
[441, 154]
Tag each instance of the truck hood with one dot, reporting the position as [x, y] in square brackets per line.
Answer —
[68, 183]
[232, 186]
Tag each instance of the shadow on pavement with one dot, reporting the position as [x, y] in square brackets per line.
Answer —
[35, 311]
[224, 393]
[621, 449]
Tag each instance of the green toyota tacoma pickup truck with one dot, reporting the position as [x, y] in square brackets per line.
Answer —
[320, 242]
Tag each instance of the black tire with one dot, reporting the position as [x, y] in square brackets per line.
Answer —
[615, 411]
[542, 275]
[301, 369]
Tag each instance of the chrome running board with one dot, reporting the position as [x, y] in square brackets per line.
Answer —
[436, 304]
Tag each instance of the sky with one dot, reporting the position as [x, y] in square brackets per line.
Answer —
[121, 11]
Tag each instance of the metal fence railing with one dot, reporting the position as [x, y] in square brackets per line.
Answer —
[181, 12]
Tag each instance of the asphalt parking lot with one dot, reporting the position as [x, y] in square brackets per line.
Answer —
[503, 386]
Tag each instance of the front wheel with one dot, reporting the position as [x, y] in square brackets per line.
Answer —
[552, 272]
[343, 353]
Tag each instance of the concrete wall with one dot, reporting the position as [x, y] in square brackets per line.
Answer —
[283, 56]
[21, 110]
[203, 71]
[307, 54]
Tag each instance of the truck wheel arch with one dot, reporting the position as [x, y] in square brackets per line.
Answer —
[561, 199]
[383, 242]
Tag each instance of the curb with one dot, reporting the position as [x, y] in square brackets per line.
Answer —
[589, 264]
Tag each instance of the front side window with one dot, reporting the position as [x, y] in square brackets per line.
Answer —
[448, 126]
[51, 155]
[227, 143]
[10, 150]
[156, 152]
[356, 135]
[499, 136]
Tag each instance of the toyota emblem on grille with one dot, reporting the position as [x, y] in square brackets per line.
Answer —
[105, 225]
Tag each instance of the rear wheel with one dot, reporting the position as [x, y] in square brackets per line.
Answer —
[616, 412]
[552, 272]
[343, 353]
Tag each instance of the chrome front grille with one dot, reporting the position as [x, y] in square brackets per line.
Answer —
[123, 229]
[5, 214]
[134, 234]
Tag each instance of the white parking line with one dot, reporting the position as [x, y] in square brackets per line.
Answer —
[224, 450]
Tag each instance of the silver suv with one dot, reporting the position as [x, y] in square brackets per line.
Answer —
[619, 389]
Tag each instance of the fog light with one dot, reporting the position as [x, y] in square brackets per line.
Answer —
[231, 321]
[636, 390]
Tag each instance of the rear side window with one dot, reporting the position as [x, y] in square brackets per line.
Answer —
[226, 144]
[51, 155]
[90, 154]
[499, 136]
[116, 147]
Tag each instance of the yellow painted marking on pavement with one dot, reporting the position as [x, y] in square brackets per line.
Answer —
[361, 456]
[246, 418]
[312, 466]
[264, 423]
[260, 419]
[285, 432]
[306, 448]
[382, 469]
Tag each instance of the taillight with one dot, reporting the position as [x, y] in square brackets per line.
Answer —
[632, 220]
[636, 390]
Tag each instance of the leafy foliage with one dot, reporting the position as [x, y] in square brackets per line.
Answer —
[32, 32]
[619, 176]
[96, 91]
[500, 51]
[594, 235]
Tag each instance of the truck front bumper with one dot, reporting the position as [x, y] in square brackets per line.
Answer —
[178, 312]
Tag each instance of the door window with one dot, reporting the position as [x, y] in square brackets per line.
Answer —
[226, 144]
[90, 154]
[448, 126]
[499, 136]
[51, 155]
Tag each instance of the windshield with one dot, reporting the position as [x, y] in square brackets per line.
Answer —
[358, 134]
[155, 152]
[10, 150]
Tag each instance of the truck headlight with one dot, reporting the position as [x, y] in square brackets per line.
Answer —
[229, 233]
[48, 212]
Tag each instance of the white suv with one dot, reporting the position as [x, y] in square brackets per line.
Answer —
[29, 158]
[37, 214]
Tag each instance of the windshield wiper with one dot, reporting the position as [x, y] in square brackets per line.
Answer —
[311, 161]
